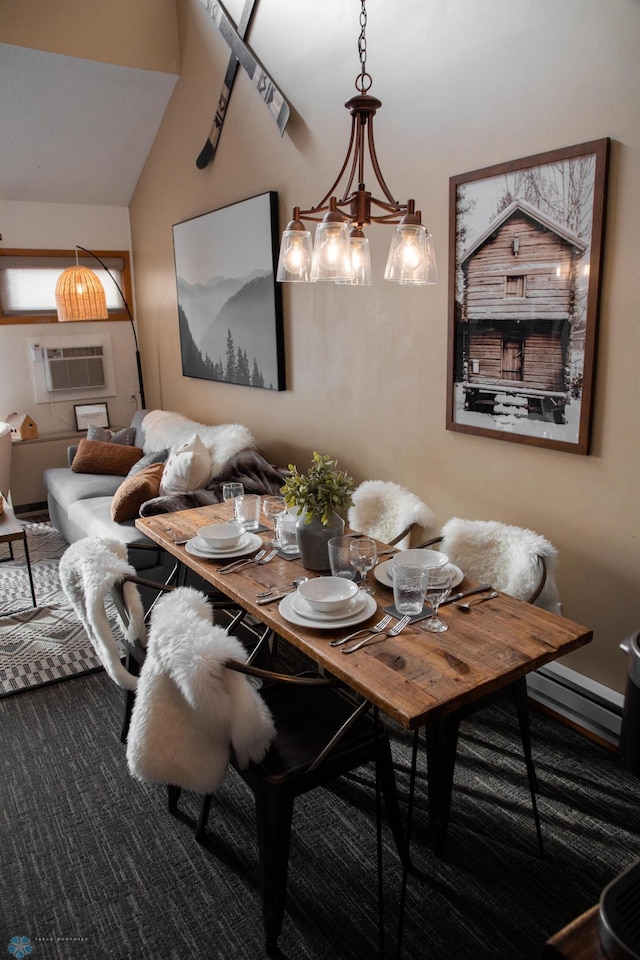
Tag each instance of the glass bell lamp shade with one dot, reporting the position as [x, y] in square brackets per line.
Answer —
[296, 251]
[80, 296]
[332, 250]
[411, 255]
[360, 260]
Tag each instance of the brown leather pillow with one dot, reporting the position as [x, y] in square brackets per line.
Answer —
[134, 491]
[95, 456]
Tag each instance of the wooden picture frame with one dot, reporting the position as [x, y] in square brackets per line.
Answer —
[525, 245]
[229, 304]
[91, 415]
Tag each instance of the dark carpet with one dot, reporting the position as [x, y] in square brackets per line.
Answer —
[93, 865]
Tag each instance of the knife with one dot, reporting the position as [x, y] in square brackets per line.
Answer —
[466, 593]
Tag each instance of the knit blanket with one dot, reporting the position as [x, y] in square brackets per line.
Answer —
[247, 467]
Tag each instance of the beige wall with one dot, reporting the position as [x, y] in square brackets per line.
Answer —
[463, 85]
[139, 34]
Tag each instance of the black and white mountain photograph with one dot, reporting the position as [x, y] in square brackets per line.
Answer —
[229, 305]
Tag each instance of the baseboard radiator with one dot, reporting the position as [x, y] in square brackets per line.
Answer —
[585, 702]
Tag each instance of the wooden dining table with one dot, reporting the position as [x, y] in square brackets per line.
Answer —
[417, 678]
[414, 677]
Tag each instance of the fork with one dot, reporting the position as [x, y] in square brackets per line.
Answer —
[375, 629]
[259, 558]
[395, 630]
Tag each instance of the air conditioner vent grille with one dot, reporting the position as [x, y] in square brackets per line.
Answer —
[74, 368]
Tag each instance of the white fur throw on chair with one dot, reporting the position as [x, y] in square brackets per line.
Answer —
[88, 570]
[165, 429]
[383, 510]
[503, 555]
[189, 710]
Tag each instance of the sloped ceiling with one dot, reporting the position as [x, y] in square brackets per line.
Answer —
[73, 130]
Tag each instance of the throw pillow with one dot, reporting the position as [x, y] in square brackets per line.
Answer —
[158, 456]
[126, 436]
[134, 491]
[187, 468]
[94, 456]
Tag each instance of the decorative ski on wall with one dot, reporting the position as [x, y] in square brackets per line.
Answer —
[259, 77]
[208, 152]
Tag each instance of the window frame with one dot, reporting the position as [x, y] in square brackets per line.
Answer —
[87, 261]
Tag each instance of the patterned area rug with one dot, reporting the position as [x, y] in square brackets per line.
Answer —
[47, 643]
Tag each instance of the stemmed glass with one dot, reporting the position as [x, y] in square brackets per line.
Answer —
[274, 507]
[363, 554]
[231, 491]
[438, 589]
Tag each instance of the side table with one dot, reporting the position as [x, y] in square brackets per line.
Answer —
[10, 531]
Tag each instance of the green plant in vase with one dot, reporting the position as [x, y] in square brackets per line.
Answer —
[318, 494]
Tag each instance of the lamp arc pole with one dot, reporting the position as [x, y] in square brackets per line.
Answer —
[126, 305]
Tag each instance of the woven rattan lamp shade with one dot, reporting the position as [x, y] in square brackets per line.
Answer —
[80, 296]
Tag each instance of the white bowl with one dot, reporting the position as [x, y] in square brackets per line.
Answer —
[328, 594]
[219, 536]
[422, 558]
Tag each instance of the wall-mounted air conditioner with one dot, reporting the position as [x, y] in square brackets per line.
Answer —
[68, 367]
[74, 368]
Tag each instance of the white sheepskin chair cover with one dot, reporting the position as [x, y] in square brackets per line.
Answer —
[382, 510]
[505, 556]
[88, 570]
[162, 428]
[190, 710]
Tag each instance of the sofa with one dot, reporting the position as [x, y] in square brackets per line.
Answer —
[172, 462]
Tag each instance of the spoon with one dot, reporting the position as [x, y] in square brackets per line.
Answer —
[267, 593]
[470, 603]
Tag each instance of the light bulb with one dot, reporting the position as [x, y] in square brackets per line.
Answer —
[296, 259]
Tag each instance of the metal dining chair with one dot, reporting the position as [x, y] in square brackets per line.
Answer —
[94, 569]
[319, 733]
[521, 563]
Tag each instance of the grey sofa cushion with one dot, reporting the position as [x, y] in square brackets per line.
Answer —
[67, 486]
[94, 516]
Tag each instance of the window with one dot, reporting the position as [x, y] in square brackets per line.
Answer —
[28, 282]
[514, 286]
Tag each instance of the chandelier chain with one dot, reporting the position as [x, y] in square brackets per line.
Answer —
[363, 81]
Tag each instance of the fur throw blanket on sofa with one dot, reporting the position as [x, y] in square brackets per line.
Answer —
[190, 710]
[88, 569]
[164, 429]
[503, 555]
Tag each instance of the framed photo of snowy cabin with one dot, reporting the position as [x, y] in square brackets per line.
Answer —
[525, 243]
[229, 304]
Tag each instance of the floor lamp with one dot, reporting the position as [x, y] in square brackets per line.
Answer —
[80, 296]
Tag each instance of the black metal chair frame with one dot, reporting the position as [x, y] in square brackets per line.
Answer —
[442, 738]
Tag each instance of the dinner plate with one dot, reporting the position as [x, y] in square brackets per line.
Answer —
[287, 610]
[306, 611]
[248, 543]
[382, 573]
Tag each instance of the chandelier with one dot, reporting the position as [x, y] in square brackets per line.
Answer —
[341, 250]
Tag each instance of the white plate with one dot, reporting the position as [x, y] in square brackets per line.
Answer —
[286, 609]
[382, 573]
[248, 543]
[306, 611]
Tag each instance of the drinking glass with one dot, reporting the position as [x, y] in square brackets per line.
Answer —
[438, 581]
[363, 554]
[340, 558]
[273, 507]
[287, 527]
[231, 491]
[409, 584]
[247, 509]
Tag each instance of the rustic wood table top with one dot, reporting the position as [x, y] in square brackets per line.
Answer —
[413, 677]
